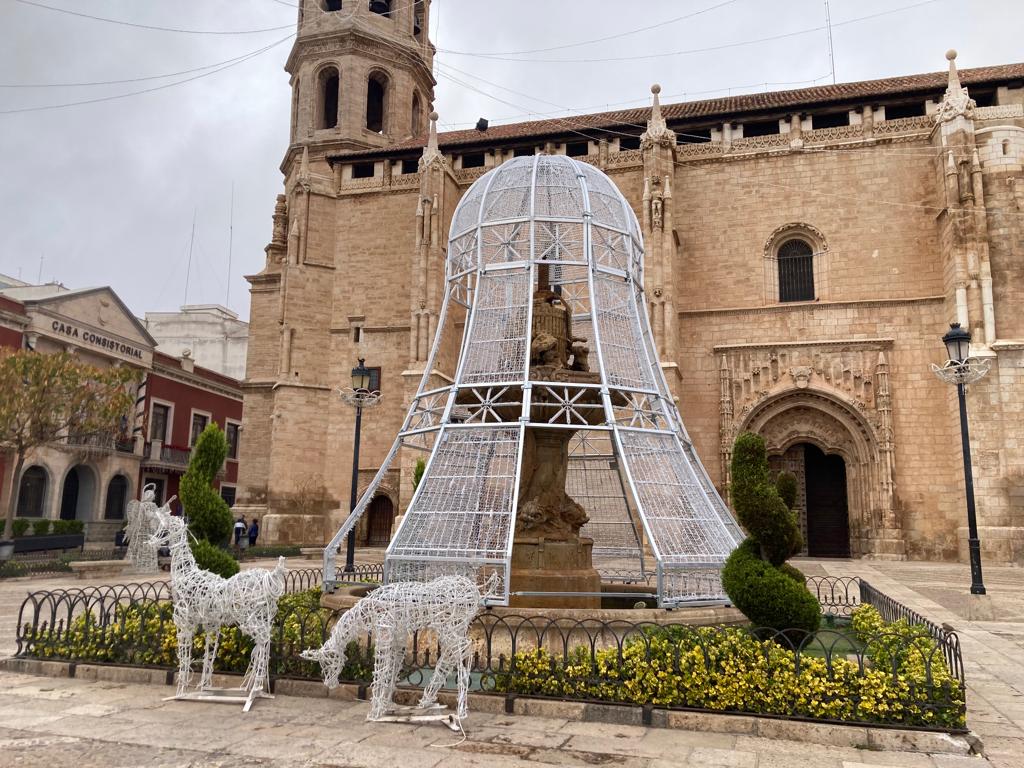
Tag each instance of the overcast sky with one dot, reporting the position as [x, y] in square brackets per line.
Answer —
[104, 193]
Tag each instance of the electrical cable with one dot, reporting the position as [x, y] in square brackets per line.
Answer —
[152, 27]
[724, 46]
[649, 27]
[160, 87]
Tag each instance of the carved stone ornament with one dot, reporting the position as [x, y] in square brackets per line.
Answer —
[801, 376]
[956, 102]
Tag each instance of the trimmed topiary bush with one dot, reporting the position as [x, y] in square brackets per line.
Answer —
[212, 558]
[756, 577]
[65, 527]
[41, 527]
[209, 516]
[20, 527]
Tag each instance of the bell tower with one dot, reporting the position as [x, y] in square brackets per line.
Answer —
[360, 75]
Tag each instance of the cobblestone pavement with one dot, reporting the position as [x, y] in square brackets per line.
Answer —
[69, 723]
[60, 722]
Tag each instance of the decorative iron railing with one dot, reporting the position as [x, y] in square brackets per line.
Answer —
[832, 675]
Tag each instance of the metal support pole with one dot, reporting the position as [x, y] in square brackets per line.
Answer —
[973, 544]
[350, 544]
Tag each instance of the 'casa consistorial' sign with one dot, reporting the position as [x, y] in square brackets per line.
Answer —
[71, 331]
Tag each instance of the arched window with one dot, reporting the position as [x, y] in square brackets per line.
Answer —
[330, 84]
[295, 107]
[796, 270]
[332, 5]
[117, 498]
[32, 492]
[417, 22]
[383, 7]
[376, 94]
[414, 122]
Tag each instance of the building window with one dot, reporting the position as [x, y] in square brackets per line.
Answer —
[760, 128]
[117, 498]
[231, 432]
[363, 171]
[830, 120]
[227, 492]
[295, 106]
[158, 423]
[414, 123]
[374, 379]
[897, 111]
[410, 166]
[475, 160]
[376, 94]
[524, 152]
[417, 22]
[796, 271]
[382, 7]
[330, 86]
[332, 5]
[628, 142]
[32, 492]
[199, 422]
[697, 135]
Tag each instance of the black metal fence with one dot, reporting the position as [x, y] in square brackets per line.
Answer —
[831, 675]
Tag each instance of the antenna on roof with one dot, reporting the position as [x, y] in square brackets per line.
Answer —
[231, 238]
[191, 242]
[831, 55]
[39, 278]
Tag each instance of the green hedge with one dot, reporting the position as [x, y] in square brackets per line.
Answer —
[252, 553]
[66, 527]
[729, 669]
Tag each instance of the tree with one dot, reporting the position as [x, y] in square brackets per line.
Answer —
[769, 591]
[209, 516]
[49, 398]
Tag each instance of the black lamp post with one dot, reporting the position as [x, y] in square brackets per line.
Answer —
[361, 387]
[958, 343]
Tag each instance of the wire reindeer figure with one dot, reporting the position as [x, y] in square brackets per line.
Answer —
[142, 522]
[204, 601]
[446, 605]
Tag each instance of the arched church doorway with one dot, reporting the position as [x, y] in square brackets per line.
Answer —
[381, 516]
[828, 517]
[78, 494]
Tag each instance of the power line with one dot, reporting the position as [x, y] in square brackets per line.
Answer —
[132, 79]
[154, 27]
[161, 87]
[690, 51]
[598, 39]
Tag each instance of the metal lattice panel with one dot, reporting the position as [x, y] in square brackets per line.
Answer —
[533, 235]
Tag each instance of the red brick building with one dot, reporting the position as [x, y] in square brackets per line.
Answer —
[180, 400]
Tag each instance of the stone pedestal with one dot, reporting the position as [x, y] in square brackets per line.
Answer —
[287, 529]
[540, 565]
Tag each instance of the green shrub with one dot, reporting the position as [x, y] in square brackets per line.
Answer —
[41, 527]
[756, 577]
[417, 472]
[20, 527]
[209, 516]
[727, 669]
[68, 527]
[251, 553]
[212, 558]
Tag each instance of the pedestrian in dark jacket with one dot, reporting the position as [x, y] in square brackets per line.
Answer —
[254, 532]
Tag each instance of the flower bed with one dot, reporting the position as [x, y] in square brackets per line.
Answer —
[868, 672]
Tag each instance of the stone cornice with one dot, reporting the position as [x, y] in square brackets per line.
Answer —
[195, 380]
[846, 343]
[802, 305]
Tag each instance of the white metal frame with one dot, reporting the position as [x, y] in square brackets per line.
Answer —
[461, 518]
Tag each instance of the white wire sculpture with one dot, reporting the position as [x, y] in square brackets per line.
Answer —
[141, 525]
[390, 614]
[545, 284]
[204, 601]
[966, 372]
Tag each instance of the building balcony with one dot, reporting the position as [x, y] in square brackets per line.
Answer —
[100, 443]
[171, 458]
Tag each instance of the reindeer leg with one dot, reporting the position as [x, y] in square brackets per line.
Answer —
[257, 676]
[209, 655]
[465, 649]
[385, 675]
[445, 661]
[185, 635]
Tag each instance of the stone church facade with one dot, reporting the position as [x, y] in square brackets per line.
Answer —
[805, 252]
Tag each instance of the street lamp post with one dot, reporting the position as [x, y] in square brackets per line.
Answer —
[962, 369]
[359, 396]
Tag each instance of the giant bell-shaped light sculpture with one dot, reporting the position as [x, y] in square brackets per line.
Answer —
[556, 453]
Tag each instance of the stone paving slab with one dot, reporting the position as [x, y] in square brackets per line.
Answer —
[73, 723]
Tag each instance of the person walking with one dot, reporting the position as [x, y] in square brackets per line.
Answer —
[254, 532]
[240, 528]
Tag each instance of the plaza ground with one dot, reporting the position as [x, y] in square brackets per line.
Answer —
[57, 722]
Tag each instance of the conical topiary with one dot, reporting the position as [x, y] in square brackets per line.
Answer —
[756, 577]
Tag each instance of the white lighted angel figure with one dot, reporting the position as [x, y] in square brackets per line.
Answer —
[141, 523]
